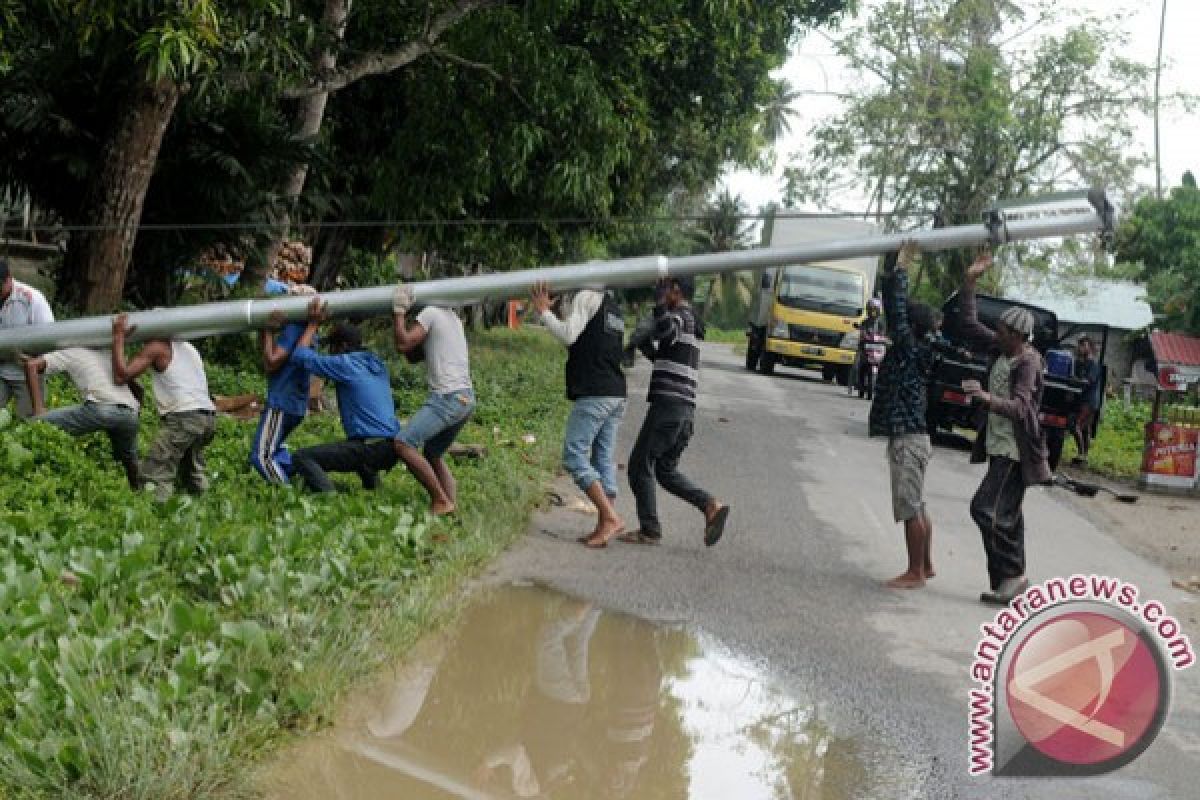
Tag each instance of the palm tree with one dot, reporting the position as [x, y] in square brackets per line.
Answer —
[778, 111]
[724, 227]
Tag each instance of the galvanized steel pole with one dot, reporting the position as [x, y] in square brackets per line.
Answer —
[191, 322]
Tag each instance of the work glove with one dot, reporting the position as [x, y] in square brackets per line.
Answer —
[402, 299]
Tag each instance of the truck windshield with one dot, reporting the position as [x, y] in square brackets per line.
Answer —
[813, 288]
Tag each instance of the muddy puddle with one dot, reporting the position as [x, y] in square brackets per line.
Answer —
[540, 695]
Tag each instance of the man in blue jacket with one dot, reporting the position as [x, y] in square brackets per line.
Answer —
[365, 403]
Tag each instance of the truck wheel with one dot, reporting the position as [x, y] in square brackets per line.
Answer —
[843, 376]
[828, 374]
[766, 363]
[752, 355]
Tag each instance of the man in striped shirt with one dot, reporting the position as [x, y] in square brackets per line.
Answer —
[668, 426]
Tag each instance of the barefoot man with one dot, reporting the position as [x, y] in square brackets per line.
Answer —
[593, 331]
[436, 335]
[898, 412]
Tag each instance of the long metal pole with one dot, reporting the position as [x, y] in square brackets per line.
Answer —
[191, 322]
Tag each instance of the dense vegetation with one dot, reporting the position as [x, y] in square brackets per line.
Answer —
[150, 651]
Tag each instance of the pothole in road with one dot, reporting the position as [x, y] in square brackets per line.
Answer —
[538, 694]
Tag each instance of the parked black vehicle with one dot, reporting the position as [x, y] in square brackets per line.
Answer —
[957, 360]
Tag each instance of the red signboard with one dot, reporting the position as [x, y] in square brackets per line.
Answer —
[1170, 455]
[1174, 378]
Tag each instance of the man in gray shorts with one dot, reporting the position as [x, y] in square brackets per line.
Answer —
[898, 412]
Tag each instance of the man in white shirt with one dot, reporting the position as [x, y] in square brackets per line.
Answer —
[593, 331]
[107, 406]
[20, 305]
[436, 335]
[187, 414]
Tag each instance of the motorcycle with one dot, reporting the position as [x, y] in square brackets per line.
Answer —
[871, 348]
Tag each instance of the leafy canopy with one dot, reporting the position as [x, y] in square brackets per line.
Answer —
[1163, 237]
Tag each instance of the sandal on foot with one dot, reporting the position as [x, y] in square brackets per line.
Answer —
[714, 529]
[639, 537]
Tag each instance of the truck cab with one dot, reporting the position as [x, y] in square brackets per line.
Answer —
[807, 315]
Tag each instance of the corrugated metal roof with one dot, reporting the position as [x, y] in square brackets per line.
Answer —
[1175, 348]
[1118, 304]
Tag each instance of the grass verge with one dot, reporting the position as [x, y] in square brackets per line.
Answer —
[1116, 452]
[158, 651]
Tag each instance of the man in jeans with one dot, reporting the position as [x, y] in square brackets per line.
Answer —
[187, 414]
[364, 393]
[20, 305]
[435, 335]
[1010, 437]
[107, 406]
[593, 330]
[667, 428]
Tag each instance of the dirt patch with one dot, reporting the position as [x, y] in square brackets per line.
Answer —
[1162, 528]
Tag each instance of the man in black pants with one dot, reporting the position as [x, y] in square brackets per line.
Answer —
[365, 403]
[667, 428]
[1010, 437]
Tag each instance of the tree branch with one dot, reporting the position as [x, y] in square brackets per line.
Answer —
[487, 69]
[382, 63]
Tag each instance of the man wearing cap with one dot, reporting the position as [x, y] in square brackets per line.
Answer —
[1010, 437]
[187, 414]
[287, 393]
[20, 304]
[364, 393]
[668, 425]
[436, 336]
[107, 406]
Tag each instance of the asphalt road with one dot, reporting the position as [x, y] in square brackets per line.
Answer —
[796, 583]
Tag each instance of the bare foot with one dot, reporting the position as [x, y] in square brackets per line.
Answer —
[605, 531]
[442, 509]
[906, 581]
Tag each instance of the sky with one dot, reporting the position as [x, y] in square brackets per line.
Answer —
[814, 67]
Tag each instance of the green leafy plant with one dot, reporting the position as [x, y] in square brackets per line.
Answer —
[149, 649]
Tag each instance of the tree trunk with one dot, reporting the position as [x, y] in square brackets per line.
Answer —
[328, 256]
[98, 259]
[309, 117]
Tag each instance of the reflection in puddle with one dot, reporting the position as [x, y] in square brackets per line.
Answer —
[540, 695]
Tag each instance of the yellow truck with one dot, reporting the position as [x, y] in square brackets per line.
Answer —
[806, 315]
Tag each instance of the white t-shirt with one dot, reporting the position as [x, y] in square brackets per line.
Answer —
[91, 372]
[583, 307]
[24, 306]
[183, 386]
[446, 362]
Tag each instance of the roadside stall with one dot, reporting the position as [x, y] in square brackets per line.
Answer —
[1173, 432]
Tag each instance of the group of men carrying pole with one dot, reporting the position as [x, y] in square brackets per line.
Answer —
[108, 382]
[591, 326]
[592, 329]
